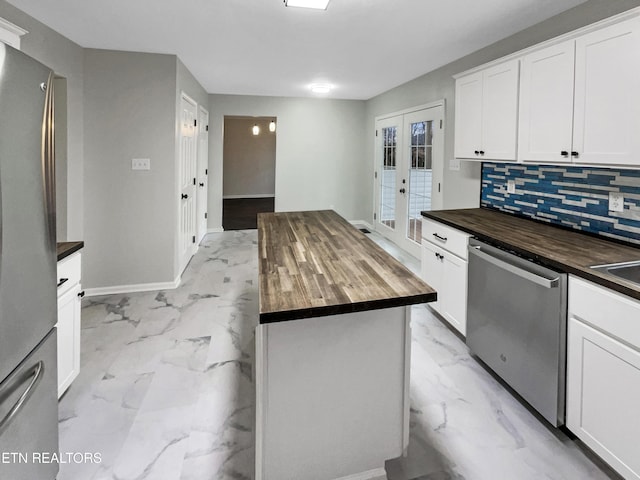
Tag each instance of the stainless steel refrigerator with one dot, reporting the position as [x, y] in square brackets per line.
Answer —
[28, 309]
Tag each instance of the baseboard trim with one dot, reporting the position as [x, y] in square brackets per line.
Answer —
[215, 230]
[378, 473]
[361, 222]
[140, 287]
[256, 195]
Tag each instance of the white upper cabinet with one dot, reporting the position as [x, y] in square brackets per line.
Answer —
[607, 98]
[575, 100]
[487, 113]
[468, 126]
[546, 104]
[500, 111]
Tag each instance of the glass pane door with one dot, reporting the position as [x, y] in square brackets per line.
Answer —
[387, 207]
[389, 144]
[409, 162]
[420, 175]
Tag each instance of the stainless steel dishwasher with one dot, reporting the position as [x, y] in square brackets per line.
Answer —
[516, 324]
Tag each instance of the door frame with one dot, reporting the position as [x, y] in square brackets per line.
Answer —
[202, 173]
[438, 173]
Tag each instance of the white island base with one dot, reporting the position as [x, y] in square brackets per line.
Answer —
[332, 395]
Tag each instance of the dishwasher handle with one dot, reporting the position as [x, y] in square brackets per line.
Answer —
[530, 276]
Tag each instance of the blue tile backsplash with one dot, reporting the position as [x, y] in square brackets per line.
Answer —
[576, 197]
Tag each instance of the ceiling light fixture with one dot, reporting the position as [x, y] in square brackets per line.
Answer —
[316, 4]
[320, 88]
[272, 126]
[256, 129]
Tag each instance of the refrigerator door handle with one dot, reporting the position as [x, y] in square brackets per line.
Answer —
[36, 373]
[48, 161]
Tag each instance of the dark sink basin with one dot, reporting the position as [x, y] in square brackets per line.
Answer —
[628, 271]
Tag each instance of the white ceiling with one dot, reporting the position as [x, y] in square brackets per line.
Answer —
[261, 47]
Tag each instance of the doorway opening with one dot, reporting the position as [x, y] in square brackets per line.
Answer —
[249, 170]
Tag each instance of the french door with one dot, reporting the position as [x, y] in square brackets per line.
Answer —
[408, 174]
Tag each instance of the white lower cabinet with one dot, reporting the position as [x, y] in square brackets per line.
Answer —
[69, 305]
[603, 374]
[446, 271]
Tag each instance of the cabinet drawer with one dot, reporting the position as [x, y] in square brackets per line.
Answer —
[69, 268]
[445, 237]
[609, 311]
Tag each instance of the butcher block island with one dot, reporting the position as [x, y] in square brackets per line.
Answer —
[332, 350]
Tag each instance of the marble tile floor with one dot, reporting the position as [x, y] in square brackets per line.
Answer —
[165, 390]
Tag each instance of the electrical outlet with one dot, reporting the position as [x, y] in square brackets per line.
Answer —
[140, 164]
[616, 202]
[511, 186]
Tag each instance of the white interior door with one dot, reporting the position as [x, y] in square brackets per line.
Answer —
[187, 181]
[409, 167]
[202, 172]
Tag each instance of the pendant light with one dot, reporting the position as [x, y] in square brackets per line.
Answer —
[272, 126]
[256, 129]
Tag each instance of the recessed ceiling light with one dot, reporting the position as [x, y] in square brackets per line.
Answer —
[317, 4]
[320, 88]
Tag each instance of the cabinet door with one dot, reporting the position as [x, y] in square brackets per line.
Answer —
[432, 267]
[453, 292]
[68, 338]
[500, 111]
[545, 126]
[603, 394]
[607, 98]
[468, 111]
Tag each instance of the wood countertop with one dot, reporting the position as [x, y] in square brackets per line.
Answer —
[565, 250]
[313, 264]
[64, 249]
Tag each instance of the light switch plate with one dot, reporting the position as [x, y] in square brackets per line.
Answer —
[616, 202]
[140, 164]
[511, 186]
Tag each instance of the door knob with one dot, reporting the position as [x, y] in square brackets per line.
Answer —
[184, 196]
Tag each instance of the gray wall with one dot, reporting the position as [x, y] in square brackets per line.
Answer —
[66, 59]
[186, 82]
[320, 161]
[462, 188]
[249, 160]
[130, 216]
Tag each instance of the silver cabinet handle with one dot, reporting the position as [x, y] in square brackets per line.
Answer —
[36, 373]
[532, 277]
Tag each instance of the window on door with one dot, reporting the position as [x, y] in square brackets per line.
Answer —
[420, 175]
[388, 177]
